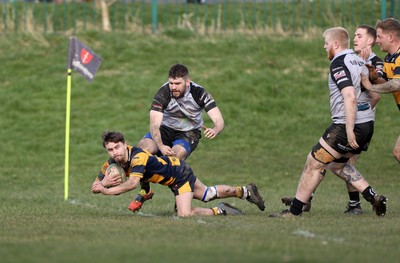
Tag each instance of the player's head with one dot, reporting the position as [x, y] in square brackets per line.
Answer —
[336, 40]
[114, 143]
[388, 34]
[178, 80]
[178, 71]
[112, 136]
[364, 36]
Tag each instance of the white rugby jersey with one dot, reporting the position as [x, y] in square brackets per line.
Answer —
[185, 113]
[345, 70]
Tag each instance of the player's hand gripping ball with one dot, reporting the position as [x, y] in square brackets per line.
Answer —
[116, 169]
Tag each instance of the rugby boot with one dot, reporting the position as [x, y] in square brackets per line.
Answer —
[353, 208]
[288, 201]
[254, 197]
[137, 203]
[379, 205]
[228, 209]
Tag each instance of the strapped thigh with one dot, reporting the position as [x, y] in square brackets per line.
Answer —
[320, 154]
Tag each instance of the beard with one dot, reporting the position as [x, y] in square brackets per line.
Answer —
[331, 54]
[119, 158]
[177, 94]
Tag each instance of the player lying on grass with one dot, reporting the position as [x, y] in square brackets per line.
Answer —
[140, 166]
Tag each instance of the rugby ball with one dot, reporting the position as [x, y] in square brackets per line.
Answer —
[115, 168]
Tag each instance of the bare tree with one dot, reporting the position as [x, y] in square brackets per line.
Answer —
[104, 5]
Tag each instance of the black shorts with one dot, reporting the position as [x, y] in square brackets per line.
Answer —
[187, 139]
[336, 137]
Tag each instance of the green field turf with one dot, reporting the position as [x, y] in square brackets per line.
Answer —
[273, 94]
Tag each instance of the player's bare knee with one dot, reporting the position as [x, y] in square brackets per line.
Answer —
[180, 151]
[210, 193]
[148, 145]
[349, 173]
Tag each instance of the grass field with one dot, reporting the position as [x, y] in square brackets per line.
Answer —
[273, 94]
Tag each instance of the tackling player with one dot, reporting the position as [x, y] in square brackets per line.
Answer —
[176, 121]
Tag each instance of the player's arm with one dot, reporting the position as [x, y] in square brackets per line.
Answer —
[105, 179]
[375, 97]
[382, 86]
[218, 121]
[156, 118]
[130, 184]
[350, 107]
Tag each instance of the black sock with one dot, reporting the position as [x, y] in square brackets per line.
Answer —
[296, 207]
[369, 194]
[354, 196]
[145, 186]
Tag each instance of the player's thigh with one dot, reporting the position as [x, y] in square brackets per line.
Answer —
[199, 189]
[188, 140]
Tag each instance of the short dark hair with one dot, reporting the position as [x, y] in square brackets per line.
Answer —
[112, 136]
[178, 71]
[390, 25]
[370, 31]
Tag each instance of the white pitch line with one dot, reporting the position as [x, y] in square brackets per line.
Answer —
[325, 239]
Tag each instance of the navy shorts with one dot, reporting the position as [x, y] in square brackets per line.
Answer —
[185, 182]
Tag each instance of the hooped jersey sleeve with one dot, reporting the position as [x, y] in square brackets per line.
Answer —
[138, 164]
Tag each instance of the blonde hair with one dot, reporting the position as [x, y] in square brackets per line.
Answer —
[338, 34]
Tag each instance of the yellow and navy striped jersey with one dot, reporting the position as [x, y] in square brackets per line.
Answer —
[392, 71]
[163, 170]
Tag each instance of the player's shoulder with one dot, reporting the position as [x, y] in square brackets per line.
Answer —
[376, 60]
[134, 150]
[164, 88]
[161, 98]
[196, 88]
[393, 58]
[138, 156]
[347, 59]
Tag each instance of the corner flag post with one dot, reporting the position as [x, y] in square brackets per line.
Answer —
[84, 61]
[67, 128]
